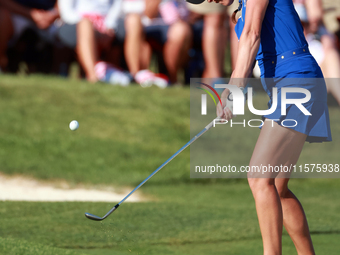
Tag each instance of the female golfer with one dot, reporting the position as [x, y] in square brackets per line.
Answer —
[270, 31]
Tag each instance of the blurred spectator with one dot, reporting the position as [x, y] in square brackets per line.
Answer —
[18, 15]
[161, 24]
[321, 43]
[338, 34]
[166, 24]
[233, 40]
[331, 12]
[92, 25]
[214, 33]
[136, 49]
[315, 13]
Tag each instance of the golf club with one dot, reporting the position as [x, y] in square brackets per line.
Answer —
[97, 218]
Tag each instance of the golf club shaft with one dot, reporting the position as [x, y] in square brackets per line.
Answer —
[210, 125]
[97, 218]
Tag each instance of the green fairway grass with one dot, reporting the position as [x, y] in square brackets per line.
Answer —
[124, 135]
[17, 246]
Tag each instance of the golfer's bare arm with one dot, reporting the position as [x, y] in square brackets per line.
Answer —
[247, 50]
[250, 40]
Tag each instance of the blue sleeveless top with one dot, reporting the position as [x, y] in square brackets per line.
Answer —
[281, 29]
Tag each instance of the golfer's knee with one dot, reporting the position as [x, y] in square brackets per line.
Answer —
[282, 191]
[260, 184]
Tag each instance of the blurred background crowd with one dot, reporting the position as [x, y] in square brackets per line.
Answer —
[160, 42]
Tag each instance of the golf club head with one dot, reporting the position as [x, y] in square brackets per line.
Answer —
[93, 217]
[97, 218]
[195, 1]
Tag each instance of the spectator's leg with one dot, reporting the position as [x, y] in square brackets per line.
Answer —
[233, 45]
[331, 66]
[87, 48]
[176, 48]
[5, 35]
[224, 38]
[212, 45]
[145, 55]
[104, 42]
[133, 42]
[114, 56]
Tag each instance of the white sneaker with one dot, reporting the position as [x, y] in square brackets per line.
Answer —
[146, 78]
[109, 74]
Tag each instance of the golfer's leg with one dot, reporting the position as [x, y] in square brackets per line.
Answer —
[269, 213]
[275, 146]
[294, 218]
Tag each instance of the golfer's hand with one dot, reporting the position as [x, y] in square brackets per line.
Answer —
[224, 2]
[224, 111]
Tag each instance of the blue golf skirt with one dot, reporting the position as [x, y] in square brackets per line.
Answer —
[298, 69]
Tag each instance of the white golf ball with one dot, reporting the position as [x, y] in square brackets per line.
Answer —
[74, 125]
